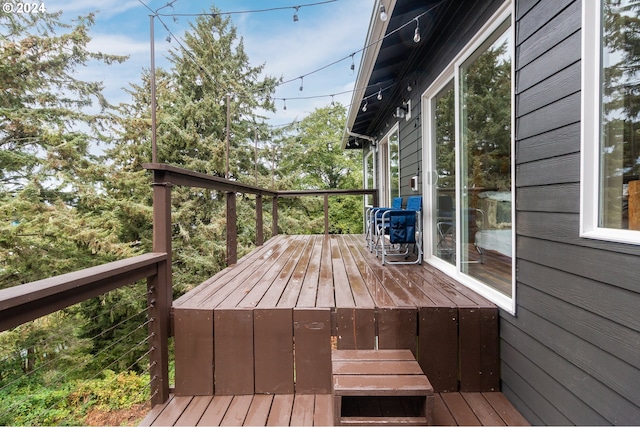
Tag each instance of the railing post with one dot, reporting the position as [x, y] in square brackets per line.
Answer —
[232, 229]
[326, 214]
[160, 292]
[274, 216]
[259, 221]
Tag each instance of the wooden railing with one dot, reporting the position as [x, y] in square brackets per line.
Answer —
[23, 303]
[166, 176]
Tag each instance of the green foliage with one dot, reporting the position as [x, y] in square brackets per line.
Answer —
[35, 403]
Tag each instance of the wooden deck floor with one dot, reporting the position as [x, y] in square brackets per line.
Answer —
[464, 409]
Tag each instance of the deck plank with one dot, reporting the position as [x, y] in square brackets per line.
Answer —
[326, 282]
[303, 410]
[238, 410]
[215, 411]
[483, 409]
[491, 408]
[281, 407]
[172, 411]
[285, 279]
[291, 293]
[194, 411]
[259, 410]
[309, 290]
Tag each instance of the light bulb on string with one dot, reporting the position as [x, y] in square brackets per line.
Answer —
[284, 102]
[416, 34]
[383, 13]
[364, 107]
[301, 83]
[379, 94]
[353, 65]
[295, 14]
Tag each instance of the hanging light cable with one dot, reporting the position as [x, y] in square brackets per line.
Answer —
[295, 14]
[379, 94]
[416, 34]
[301, 83]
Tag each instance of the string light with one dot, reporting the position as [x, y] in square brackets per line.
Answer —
[295, 14]
[284, 102]
[216, 35]
[383, 13]
[364, 107]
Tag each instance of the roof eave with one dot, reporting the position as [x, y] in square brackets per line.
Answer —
[375, 36]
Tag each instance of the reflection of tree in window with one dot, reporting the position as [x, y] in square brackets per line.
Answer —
[445, 138]
[487, 118]
[620, 146]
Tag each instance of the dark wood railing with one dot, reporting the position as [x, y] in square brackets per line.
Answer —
[23, 303]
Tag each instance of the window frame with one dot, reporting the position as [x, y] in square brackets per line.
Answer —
[452, 72]
[591, 126]
[371, 154]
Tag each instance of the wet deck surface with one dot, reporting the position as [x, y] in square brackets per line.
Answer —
[300, 409]
[336, 271]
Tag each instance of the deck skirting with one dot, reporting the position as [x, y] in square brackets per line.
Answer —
[268, 323]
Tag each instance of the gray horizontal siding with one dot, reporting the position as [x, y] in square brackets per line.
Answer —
[571, 355]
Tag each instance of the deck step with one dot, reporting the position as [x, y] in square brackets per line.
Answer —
[380, 387]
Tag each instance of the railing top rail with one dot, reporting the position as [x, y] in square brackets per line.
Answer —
[185, 177]
[332, 192]
[23, 303]
[188, 178]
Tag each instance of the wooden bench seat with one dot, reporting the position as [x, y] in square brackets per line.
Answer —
[373, 387]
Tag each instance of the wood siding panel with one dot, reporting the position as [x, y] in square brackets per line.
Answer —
[538, 14]
[570, 356]
[558, 142]
[554, 31]
[557, 170]
[553, 116]
[561, 198]
[563, 55]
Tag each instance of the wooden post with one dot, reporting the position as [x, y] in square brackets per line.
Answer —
[326, 214]
[274, 216]
[232, 229]
[160, 292]
[259, 221]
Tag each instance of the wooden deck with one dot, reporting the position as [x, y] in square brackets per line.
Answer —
[267, 323]
[465, 409]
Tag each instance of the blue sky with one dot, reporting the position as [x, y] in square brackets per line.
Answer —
[324, 33]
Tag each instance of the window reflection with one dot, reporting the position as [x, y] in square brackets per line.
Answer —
[620, 109]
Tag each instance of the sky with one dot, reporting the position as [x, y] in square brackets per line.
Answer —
[324, 33]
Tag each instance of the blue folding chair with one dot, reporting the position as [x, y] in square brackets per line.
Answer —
[373, 217]
[404, 230]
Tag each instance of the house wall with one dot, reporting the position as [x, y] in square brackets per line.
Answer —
[572, 353]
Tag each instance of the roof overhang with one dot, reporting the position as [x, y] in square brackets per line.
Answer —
[391, 61]
[373, 43]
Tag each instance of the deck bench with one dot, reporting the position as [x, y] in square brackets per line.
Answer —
[373, 387]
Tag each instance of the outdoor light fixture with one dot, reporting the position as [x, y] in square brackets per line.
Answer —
[364, 107]
[401, 112]
[416, 34]
[295, 14]
[379, 95]
[301, 83]
[383, 13]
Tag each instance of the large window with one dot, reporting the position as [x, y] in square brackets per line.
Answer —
[611, 121]
[469, 136]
